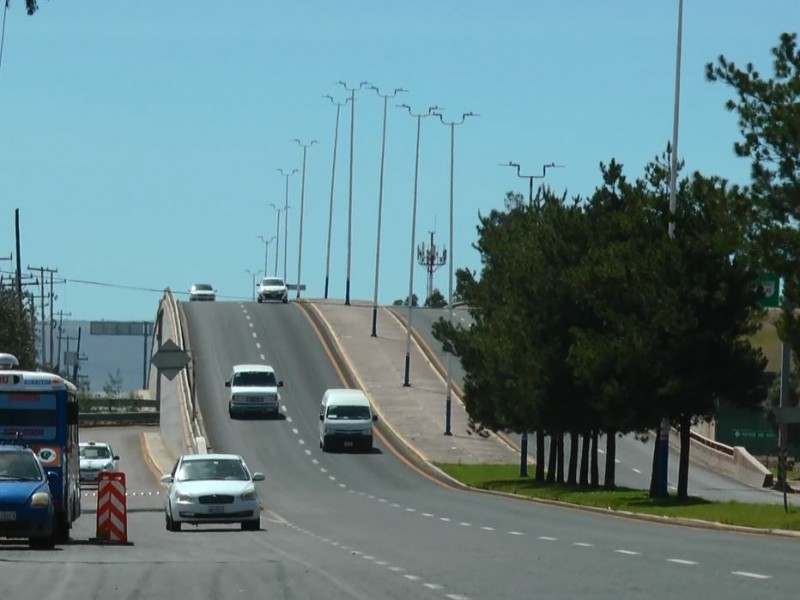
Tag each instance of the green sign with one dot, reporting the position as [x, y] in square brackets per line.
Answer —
[771, 285]
[753, 434]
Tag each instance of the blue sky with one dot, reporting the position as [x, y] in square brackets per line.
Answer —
[141, 140]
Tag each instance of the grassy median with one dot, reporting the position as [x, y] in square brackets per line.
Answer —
[505, 478]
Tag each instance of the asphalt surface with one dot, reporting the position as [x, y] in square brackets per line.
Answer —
[370, 525]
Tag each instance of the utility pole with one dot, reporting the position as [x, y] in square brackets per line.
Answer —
[61, 314]
[430, 259]
[42, 271]
[19, 260]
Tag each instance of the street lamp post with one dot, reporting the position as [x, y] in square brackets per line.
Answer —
[267, 242]
[286, 175]
[662, 477]
[350, 192]
[277, 238]
[333, 179]
[305, 147]
[407, 364]
[253, 274]
[448, 403]
[380, 206]
[530, 178]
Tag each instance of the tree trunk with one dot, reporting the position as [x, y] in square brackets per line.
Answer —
[540, 459]
[572, 475]
[611, 455]
[683, 469]
[584, 475]
[560, 461]
[595, 470]
[551, 459]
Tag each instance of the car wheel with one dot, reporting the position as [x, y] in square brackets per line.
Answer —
[259, 300]
[325, 444]
[286, 301]
[172, 525]
[230, 411]
[253, 525]
[42, 543]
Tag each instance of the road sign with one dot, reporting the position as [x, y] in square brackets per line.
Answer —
[170, 359]
[120, 327]
[753, 434]
[789, 414]
[771, 285]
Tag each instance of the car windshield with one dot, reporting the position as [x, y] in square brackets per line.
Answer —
[355, 413]
[92, 452]
[255, 378]
[19, 466]
[202, 287]
[212, 469]
[272, 282]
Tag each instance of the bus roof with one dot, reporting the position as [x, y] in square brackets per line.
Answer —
[34, 380]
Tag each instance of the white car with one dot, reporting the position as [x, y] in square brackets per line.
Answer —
[200, 292]
[254, 389]
[273, 288]
[95, 457]
[212, 488]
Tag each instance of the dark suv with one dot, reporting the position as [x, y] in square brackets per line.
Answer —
[26, 505]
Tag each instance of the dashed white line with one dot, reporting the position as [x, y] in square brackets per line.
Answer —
[412, 577]
[396, 569]
[637, 471]
[433, 586]
[485, 528]
[626, 552]
[547, 538]
[342, 485]
[307, 451]
[382, 563]
[680, 561]
[315, 461]
[445, 519]
[295, 430]
[427, 515]
[394, 505]
[263, 357]
[465, 524]
[331, 477]
[251, 325]
[302, 442]
[411, 510]
[750, 575]
[254, 334]
[258, 347]
[515, 533]
[323, 470]
[582, 544]
[457, 597]
[366, 557]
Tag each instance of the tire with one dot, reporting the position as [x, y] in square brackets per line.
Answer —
[60, 528]
[259, 300]
[42, 543]
[173, 526]
[252, 525]
[285, 301]
[230, 411]
[325, 444]
[366, 445]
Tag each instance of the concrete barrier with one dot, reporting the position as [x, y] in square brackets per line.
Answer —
[732, 461]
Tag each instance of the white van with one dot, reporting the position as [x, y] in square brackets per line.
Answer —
[345, 419]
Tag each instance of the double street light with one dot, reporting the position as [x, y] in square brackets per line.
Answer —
[305, 148]
[277, 237]
[418, 117]
[352, 91]
[452, 125]
[333, 179]
[286, 174]
[530, 178]
[380, 205]
[254, 275]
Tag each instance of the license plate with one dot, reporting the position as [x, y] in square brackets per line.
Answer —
[348, 444]
[8, 515]
[215, 510]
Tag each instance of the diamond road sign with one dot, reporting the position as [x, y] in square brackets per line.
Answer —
[170, 359]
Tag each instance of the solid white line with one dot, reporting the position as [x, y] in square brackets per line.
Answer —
[751, 575]
[680, 561]
[627, 552]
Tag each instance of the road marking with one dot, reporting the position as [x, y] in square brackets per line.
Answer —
[258, 346]
[382, 500]
[516, 533]
[751, 575]
[365, 557]
[263, 357]
[395, 505]
[331, 477]
[427, 515]
[411, 510]
[457, 597]
[547, 538]
[582, 544]
[396, 569]
[315, 461]
[323, 470]
[433, 586]
[601, 451]
[251, 325]
[465, 524]
[616, 460]
[412, 577]
[680, 561]
[626, 552]
[485, 528]
[637, 471]
[254, 335]
[342, 485]
[295, 430]
[445, 519]
[382, 563]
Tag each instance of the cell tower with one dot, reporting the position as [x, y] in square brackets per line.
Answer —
[430, 259]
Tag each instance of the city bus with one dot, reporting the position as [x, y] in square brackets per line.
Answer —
[41, 410]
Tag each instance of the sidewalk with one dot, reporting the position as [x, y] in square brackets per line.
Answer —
[415, 415]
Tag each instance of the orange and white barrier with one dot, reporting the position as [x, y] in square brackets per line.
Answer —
[112, 508]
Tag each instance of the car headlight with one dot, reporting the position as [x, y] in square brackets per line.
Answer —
[249, 494]
[108, 466]
[367, 432]
[40, 499]
[184, 498]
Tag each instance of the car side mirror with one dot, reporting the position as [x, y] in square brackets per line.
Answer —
[166, 479]
[321, 417]
[227, 384]
[258, 477]
[116, 457]
[374, 418]
[280, 384]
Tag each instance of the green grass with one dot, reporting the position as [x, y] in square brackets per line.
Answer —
[505, 478]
